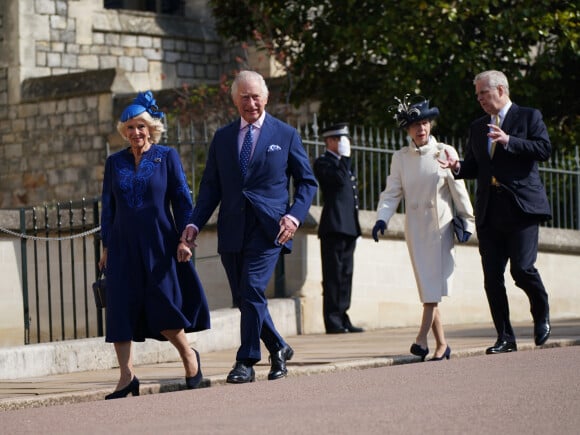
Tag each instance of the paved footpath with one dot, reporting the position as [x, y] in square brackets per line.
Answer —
[314, 354]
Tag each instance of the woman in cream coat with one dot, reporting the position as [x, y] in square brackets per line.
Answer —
[430, 193]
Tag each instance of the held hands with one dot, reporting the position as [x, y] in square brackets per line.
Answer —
[188, 236]
[381, 226]
[186, 243]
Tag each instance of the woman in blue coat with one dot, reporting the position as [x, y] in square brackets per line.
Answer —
[153, 290]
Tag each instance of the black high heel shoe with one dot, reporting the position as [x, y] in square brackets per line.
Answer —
[132, 388]
[419, 351]
[445, 355]
[193, 382]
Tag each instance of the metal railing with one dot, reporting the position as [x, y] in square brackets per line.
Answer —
[59, 247]
[372, 151]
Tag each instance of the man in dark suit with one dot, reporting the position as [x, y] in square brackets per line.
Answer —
[502, 153]
[247, 173]
[338, 228]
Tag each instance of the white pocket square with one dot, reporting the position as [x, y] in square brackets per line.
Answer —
[273, 147]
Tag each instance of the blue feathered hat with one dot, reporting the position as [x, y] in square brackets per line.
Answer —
[144, 102]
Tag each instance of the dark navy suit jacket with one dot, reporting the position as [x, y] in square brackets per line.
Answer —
[278, 155]
[516, 167]
[339, 190]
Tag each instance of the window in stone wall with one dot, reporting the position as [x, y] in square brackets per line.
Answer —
[172, 7]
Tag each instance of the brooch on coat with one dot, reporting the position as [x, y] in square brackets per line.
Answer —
[273, 147]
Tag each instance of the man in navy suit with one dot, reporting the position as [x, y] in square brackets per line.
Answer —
[247, 173]
[502, 153]
[338, 229]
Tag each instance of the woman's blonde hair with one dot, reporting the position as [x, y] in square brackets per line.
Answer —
[154, 125]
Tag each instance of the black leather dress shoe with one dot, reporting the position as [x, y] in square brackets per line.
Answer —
[337, 331]
[542, 332]
[352, 328]
[241, 374]
[278, 360]
[502, 347]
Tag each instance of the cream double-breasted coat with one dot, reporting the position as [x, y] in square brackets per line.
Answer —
[430, 193]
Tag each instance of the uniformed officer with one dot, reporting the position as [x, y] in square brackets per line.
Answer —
[339, 227]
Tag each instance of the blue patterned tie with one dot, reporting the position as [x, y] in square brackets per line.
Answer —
[246, 151]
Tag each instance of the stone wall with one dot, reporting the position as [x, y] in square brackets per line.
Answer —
[53, 148]
[385, 292]
[155, 51]
[4, 58]
[63, 64]
[3, 93]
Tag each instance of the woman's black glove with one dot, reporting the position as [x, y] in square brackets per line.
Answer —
[381, 226]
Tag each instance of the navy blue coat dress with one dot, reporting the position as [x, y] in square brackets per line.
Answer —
[144, 212]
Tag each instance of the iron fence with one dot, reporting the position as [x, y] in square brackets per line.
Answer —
[59, 247]
[372, 150]
[60, 243]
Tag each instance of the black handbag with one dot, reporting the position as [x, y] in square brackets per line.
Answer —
[100, 291]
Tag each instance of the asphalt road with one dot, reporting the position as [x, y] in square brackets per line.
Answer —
[532, 392]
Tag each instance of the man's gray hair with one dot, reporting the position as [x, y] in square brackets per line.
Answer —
[249, 76]
[494, 79]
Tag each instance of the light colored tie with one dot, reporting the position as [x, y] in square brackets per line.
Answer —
[246, 150]
[492, 150]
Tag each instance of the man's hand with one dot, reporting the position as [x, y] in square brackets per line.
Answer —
[381, 226]
[497, 134]
[189, 235]
[287, 230]
[450, 162]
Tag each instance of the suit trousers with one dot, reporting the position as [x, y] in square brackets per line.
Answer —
[248, 273]
[510, 234]
[337, 255]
